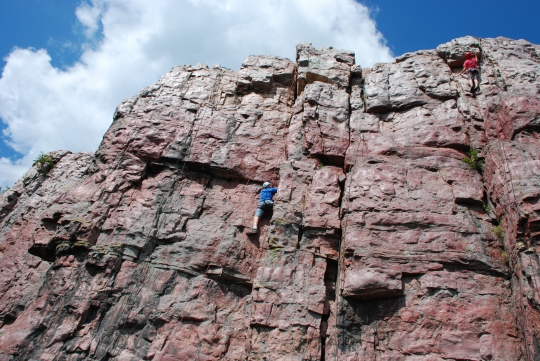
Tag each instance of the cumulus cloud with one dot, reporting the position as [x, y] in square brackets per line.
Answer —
[11, 170]
[131, 43]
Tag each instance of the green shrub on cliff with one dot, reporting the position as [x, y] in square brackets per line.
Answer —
[473, 161]
[44, 163]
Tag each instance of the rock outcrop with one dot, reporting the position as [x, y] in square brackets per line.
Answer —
[384, 244]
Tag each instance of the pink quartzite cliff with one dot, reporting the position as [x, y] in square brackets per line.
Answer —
[384, 244]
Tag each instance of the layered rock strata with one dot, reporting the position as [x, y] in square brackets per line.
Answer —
[383, 243]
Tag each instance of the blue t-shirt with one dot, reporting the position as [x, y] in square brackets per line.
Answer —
[267, 193]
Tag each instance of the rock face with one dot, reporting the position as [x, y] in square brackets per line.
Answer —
[383, 244]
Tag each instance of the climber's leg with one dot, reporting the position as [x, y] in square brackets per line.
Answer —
[470, 75]
[258, 214]
[477, 79]
[473, 79]
[256, 222]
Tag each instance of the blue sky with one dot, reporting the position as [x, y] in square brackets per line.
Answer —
[52, 24]
[410, 25]
[99, 52]
[49, 24]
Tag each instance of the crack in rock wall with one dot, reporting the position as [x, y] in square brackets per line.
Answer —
[383, 243]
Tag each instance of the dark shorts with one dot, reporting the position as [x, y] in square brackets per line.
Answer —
[473, 74]
[263, 206]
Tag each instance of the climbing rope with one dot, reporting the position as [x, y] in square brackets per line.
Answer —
[515, 258]
[513, 255]
[339, 288]
[292, 87]
[212, 109]
[481, 51]
[186, 312]
[138, 284]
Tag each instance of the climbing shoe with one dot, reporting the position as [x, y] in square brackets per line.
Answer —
[252, 231]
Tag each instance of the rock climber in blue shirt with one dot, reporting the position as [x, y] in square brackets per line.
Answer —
[265, 203]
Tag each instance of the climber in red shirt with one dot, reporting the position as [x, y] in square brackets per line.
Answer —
[471, 67]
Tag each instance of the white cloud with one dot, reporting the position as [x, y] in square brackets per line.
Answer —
[89, 17]
[11, 170]
[131, 43]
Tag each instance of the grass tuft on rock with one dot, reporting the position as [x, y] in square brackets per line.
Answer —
[504, 257]
[44, 163]
[473, 161]
[498, 232]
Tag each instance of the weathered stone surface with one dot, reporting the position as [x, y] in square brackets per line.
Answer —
[372, 283]
[327, 65]
[323, 198]
[414, 79]
[442, 315]
[514, 115]
[454, 51]
[320, 126]
[383, 243]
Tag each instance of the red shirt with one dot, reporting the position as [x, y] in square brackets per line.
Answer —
[470, 64]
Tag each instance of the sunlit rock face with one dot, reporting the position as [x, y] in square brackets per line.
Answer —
[383, 244]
